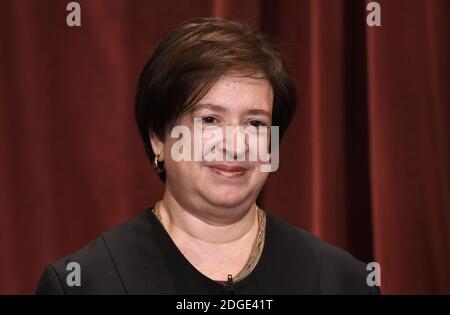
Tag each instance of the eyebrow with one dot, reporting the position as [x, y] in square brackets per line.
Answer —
[259, 112]
[220, 108]
[215, 107]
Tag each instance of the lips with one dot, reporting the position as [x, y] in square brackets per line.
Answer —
[230, 171]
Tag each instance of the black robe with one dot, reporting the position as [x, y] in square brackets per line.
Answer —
[139, 257]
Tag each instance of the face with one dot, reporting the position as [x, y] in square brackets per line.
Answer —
[233, 101]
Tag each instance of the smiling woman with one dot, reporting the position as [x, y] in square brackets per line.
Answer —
[207, 235]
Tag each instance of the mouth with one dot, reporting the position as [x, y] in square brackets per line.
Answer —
[229, 171]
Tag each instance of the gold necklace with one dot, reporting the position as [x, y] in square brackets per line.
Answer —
[257, 247]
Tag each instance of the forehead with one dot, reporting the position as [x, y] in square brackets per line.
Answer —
[236, 92]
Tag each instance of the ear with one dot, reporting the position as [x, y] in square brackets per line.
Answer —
[157, 146]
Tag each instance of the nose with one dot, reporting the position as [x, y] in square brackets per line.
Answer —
[235, 143]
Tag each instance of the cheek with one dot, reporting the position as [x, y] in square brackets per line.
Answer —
[185, 174]
[177, 169]
[259, 178]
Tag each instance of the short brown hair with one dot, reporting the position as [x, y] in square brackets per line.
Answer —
[191, 58]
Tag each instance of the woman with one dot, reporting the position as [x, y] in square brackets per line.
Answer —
[207, 235]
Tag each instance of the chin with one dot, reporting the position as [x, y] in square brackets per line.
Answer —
[226, 197]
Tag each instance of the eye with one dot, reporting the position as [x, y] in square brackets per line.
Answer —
[257, 123]
[209, 120]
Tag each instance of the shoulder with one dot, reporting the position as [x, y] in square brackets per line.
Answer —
[95, 265]
[336, 270]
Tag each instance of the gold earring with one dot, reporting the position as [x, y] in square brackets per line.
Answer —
[158, 165]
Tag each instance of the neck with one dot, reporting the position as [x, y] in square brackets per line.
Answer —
[190, 224]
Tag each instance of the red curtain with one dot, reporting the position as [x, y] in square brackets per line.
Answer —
[365, 164]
